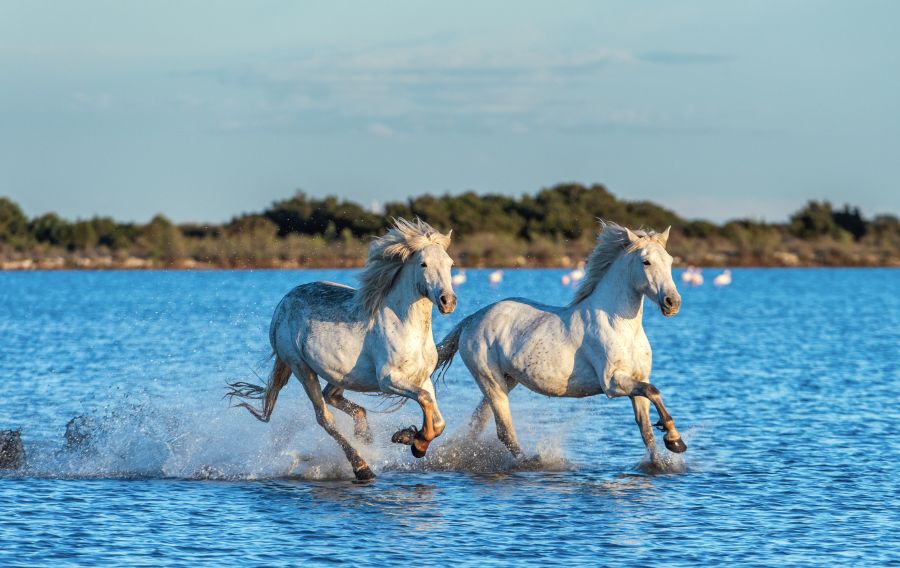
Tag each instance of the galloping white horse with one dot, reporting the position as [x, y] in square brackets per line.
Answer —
[594, 345]
[374, 339]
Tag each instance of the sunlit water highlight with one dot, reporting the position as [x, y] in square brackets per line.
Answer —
[784, 385]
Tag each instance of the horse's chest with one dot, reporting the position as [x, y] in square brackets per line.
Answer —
[415, 364]
[413, 356]
[640, 358]
[622, 352]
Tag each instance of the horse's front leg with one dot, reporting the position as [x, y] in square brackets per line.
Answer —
[641, 406]
[432, 422]
[623, 385]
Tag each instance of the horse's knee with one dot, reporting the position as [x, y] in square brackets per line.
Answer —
[324, 418]
[650, 390]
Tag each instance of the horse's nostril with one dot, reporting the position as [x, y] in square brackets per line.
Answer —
[445, 299]
[668, 301]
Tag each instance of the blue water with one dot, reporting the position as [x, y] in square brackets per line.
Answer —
[784, 385]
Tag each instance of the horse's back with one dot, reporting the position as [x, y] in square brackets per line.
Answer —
[500, 318]
[530, 342]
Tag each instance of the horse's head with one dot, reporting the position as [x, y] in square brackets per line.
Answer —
[651, 268]
[432, 265]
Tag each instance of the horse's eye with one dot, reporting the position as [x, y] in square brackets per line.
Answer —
[646, 263]
[424, 265]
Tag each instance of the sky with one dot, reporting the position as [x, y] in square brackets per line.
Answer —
[205, 110]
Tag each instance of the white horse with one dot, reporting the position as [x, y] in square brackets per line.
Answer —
[374, 339]
[594, 345]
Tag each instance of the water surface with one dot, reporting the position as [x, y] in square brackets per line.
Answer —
[783, 384]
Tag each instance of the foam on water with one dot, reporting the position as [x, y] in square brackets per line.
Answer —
[139, 436]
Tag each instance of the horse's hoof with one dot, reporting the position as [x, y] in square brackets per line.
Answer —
[676, 446]
[416, 452]
[405, 436]
[364, 473]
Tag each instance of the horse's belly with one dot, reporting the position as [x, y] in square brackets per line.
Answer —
[577, 383]
[339, 359]
[357, 380]
[558, 374]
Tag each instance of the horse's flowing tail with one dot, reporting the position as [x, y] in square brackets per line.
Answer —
[268, 394]
[447, 349]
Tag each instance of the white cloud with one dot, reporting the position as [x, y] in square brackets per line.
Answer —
[450, 87]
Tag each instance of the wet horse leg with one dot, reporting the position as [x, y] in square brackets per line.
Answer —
[499, 401]
[432, 421]
[483, 411]
[496, 392]
[480, 418]
[626, 386]
[310, 383]
[335, 397]
[641, 406]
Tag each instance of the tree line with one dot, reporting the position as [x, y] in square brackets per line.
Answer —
[551, 227]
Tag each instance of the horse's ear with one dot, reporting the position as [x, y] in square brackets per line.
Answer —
[632, 238]
[449, 233]
[664, 236]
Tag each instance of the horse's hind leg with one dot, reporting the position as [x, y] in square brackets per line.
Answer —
[497, 395]
[505, 430]
[310, 383]
[483, 412]
[335, 397]
[480, 418]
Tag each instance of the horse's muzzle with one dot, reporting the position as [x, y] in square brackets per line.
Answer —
[669, 305]
[447, 303]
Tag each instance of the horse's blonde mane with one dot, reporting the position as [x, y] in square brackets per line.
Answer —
[387, 255]
[611, 242]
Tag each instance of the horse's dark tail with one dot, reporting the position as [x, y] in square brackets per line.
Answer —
[268, 394]
[447, 348]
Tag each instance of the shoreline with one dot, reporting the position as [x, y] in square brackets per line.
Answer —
[150, 266]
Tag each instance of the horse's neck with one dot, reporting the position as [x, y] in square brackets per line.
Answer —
[615, 297]
[406, 304]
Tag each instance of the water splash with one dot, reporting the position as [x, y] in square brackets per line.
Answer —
[189, 436]
[185, 437]
[486, 455]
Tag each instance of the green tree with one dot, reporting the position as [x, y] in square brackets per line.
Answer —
[163, 240]
[814, 220]
[84, 236]
[850, 220]
[49, 228]
[13, 224]
[113, 235]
